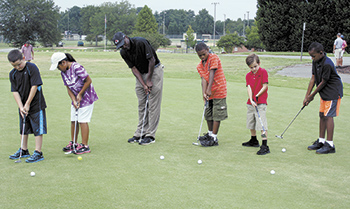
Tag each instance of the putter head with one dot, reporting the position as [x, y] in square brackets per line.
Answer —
[70, 152]
[18, 161]
[280, 137]
[195, 143]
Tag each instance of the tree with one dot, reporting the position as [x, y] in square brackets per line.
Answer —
[204, 23]
[190, 40]
[34, 20]
[229, 41]
[155, 39]
[146, 22]
[253, 40]
[71, 20]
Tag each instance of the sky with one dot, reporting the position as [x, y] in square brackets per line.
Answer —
[233, 9]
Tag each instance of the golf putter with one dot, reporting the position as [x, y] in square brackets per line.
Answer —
[263, 135]
[200, 128]
[281, 136]
[75, 131]
[20, 153]
[144, 117]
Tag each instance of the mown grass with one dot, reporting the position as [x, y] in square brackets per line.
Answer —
[121, 175]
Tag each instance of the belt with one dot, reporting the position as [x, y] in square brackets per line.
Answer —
[157, 65]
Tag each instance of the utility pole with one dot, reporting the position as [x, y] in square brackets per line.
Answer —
[248, 18]
[224, 24]
[215, 3]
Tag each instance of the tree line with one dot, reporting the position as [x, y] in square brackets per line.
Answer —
[41, 21]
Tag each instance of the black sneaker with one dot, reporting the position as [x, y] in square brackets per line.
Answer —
[69, 147]
[147, 140]
[263, 150]
[36, 157]
[81, 149]
[209, 142]
[316, 145]
[204, 137]
[326, 149]
[25, 154]
[133, 139]
[251, 143]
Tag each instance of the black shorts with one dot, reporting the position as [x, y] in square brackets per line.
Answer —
[35, 123]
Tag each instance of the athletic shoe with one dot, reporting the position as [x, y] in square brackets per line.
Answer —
[133, 139]
[209, 142]
[69, 147]
[316, 145]
[147, 140]
[251, 143]
[263, 150]
[81, 149]
[204, 137]
[326, 149]
[25, 154]
[36, 157]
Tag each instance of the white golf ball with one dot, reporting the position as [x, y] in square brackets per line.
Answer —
[272, 172]
[32, 173]
[162, 157]
[199, 161]
[283, 149]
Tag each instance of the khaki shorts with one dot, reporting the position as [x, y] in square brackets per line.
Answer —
[338, 53]
[216, 110]
[253, 121]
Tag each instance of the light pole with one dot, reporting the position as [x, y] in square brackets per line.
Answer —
[244, 25]
[164, 23]
[215, 3]
[68, 25]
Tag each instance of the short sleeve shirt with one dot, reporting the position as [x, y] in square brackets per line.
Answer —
[219, 87]
[256, 81]
[325, 69]
[22, 82]
[139, 53]
[27, 52]
[74, 78]
[338, 43]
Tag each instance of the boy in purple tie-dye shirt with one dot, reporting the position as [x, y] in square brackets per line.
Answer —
[82, 94]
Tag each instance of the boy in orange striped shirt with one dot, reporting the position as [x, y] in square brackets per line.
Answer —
[214, 91]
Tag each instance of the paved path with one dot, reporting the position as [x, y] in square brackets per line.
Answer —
[304, 70]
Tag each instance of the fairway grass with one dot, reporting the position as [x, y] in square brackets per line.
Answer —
[120, 175]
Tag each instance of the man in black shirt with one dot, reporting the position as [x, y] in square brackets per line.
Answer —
[143, 61]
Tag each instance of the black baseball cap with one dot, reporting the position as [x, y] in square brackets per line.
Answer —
[118, 39]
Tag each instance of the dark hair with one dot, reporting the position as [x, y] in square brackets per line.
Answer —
[68, 58]
[251, 58]
[317, 47]
[200, 46]
[14, 55]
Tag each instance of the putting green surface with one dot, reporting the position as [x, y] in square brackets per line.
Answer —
[120, 175]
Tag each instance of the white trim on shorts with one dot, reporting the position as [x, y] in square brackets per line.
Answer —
[84, 113]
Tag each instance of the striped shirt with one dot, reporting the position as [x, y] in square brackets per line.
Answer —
[74, 78]
[219, 88]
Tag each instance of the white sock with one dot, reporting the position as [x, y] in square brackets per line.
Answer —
[322, 140]
[210, 133]
[214, 136]
[330, 143]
